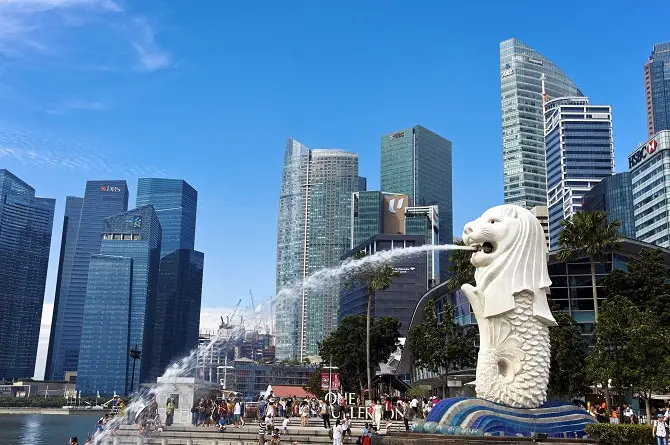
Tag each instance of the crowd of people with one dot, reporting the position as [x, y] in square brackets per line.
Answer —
[223, 413]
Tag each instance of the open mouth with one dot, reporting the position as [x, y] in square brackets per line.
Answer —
[486, 247]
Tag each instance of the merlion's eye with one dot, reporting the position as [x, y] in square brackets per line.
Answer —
[492, 221]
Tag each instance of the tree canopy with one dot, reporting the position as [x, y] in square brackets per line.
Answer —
[462, 269]
[346, 345]
[442, 348]
[567, 377]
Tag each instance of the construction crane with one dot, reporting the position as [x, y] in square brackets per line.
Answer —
[229, 318]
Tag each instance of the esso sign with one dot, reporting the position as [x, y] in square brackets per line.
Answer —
[641, 154]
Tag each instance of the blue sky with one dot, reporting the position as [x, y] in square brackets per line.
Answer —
[208, 91]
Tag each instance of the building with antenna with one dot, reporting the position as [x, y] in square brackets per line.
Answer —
[524, 163]
[657, 89]
[313, 232]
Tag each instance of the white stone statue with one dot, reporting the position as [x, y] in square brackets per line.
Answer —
[510, 304]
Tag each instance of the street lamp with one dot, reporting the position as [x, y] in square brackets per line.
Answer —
[616, 348]
[135, 355]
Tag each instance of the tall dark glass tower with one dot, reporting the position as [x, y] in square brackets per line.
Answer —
[101, 200]
[417, 162]
[614, 195]
[177, 316]
[657, 89]
[26, 223]
[120, 304]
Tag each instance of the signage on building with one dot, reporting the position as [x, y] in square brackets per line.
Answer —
[397, 135]
[109, 188]
[507, 72]
[535, 61]
[642, 153]
[327, 384]
[404, 270]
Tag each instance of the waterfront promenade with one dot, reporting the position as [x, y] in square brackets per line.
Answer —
[55, 411]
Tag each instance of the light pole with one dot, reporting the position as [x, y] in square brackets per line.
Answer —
[616, 348]
[135, 354]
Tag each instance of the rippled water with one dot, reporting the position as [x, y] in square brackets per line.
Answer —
[44, 429]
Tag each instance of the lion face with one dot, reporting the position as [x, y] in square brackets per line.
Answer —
[492, 234]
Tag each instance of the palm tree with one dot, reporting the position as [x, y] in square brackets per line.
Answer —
[375, 278]
[588, 234]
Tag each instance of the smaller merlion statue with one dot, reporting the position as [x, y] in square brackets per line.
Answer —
[510, 304]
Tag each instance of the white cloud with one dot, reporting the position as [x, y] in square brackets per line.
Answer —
[30, 28]
[77, 105]
[43, 345]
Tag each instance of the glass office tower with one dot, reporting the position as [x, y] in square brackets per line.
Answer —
[26, 223]
[313, 232]
[580, 153]
[177, 318]
[101, 200]
[614, 195]
[417, 162]
[657, 88]
[524, 167]
[176, 204]
[120, 304]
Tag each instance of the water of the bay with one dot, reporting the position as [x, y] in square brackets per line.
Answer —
[45, 429]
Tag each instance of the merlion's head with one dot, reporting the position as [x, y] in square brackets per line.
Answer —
[511, 257]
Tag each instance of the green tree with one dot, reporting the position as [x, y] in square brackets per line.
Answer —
[346, 347]
[644, 283]
[590, 235]
[444, 347]
[462, 269]
[639, 352]
[567, 377]
[375, 277]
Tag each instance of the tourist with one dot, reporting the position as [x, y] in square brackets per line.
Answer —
[284, 424]
[346, 430]
[169, 412]
[269, 423]
[237, 413]
[74, 440]
[627, 413]
[261, 406]
[661, 430]
[261, 430]
[407, 414]
[304, 414]
[337, 433]
[325, 415]
[414, 404]
[388, 409]
[276, 437]
[377, 413]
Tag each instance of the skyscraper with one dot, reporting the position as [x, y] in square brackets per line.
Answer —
[614, 195]
[313, 232]
[657, 88]
[68, 243]
[101, 200]
[524, 165]
[417, 162]
[120, 304]
[176, 203]
[580, 153]
[26, 223]
[649, 166]
[177, 318]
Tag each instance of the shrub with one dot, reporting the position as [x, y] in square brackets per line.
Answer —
[621, 434]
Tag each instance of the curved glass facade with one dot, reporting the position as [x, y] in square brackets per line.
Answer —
[524, 165]
[657, 89]
[313, 232]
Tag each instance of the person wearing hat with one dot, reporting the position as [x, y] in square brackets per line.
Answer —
[660, 430]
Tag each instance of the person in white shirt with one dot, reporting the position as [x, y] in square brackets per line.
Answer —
[337, 433]
[660, 430]
[237, 413]
[284, 424]
[414, 404]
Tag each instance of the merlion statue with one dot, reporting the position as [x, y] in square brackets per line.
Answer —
[510, 304]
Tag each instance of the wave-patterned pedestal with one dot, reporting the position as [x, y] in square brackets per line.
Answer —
[476, 417]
